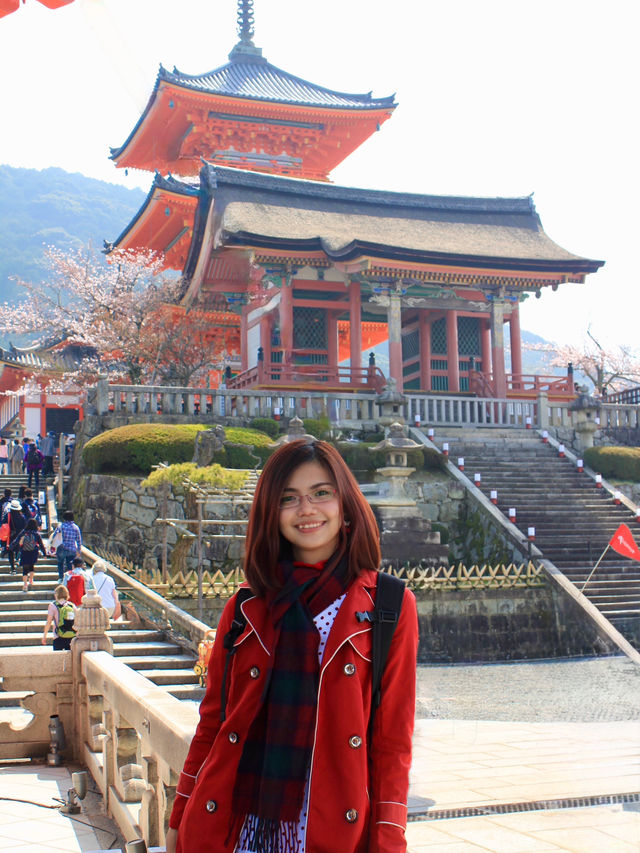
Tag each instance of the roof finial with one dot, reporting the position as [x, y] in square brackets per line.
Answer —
[245, 50]
[245, 21]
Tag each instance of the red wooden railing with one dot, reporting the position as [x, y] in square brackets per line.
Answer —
[519, 384]
[310, 376]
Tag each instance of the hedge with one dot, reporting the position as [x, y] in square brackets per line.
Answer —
[621, 463]
[136, 448]
[359, 458]
[210, 475]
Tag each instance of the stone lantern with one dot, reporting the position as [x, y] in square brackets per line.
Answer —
[395, 446]
[390, 403]
[295, 430]
[585, 409]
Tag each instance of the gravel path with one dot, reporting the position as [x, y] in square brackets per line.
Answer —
[579, 690]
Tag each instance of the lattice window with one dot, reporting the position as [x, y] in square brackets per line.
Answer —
[439, 338]
[439, 383]
[410, 345]
[309, 329]
[468, 336]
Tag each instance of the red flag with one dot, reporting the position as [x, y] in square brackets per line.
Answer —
[623, 542]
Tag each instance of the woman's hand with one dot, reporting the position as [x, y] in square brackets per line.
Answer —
[172, 840]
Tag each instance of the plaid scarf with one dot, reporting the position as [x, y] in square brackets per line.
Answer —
[269, 787]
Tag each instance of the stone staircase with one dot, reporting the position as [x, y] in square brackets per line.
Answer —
[573, 520]
[23, 616]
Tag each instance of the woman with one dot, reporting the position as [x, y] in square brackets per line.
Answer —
[17, 524]
[16, 458]
[290, 768]
[30, 542]
[106, 588]
[4, 457]
[61, 616]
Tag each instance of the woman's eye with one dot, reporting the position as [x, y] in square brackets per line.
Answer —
[322, 493]
[287, 500]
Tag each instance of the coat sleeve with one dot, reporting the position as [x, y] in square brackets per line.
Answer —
[209, 724]
[392, 736]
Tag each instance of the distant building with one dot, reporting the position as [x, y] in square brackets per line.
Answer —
[314, 275]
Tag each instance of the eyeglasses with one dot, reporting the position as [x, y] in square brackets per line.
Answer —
[318, 496]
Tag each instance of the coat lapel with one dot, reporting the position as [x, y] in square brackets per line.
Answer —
[346, 626]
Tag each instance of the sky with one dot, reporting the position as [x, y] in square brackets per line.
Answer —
[496, 98]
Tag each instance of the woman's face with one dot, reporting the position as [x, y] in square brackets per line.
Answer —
[312, 528]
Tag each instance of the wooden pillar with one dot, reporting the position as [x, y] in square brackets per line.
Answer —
[453, 368]
[485, 346]
[355, 325]
[394, 325]
[497, 347]
[516, 343]
[245, 355]
[286, 320]
[425, 351]
[333, 343]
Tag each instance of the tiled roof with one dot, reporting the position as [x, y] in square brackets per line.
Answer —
[257, 79]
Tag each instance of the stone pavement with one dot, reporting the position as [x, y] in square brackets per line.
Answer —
[530, 757]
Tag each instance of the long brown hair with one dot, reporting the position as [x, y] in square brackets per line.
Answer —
[359, 539]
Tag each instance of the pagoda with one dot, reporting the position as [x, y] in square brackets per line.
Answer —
[313, 275]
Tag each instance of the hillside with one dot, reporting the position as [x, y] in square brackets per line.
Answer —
[54, 207]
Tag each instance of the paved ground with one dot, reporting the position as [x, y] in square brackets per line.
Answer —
[498, 739]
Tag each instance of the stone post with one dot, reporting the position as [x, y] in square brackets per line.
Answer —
[543, 410]
[91, 624]
[102, 396]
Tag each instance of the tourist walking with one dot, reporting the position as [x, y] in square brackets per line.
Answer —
[61, 615]
[4, 457]
[71, 543]
[17, 523]
[30, 543]
[31, 509]
[282, 759]
[105, 586]
[78, 581]
[48, 448]
[16, 458]
[34, 461]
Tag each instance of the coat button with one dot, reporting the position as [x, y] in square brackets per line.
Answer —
[351, 816]
[233, 737]
[349, 668]
[211, 806]
[355, 741]
[254, 672]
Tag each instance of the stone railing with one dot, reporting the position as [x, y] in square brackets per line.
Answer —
[348, 409]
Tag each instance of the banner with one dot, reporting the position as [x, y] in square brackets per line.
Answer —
[623, 542]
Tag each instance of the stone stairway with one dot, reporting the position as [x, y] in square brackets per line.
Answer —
[23, 616]
[573, 520]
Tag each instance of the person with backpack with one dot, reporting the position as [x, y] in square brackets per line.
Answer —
[71, 543]
[292, 754]
[30, 508]
[34, 461]
[30, 542]
[17, 523]
[61, 615]
[78, 581]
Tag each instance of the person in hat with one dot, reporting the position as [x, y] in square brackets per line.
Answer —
[17, 523]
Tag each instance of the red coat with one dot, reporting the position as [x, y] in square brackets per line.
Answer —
[353, 807]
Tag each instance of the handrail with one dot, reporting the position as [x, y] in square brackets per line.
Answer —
[171, 617]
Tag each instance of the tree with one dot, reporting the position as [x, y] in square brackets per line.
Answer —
[608, 369]
[118, 316]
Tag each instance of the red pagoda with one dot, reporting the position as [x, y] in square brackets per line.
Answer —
[314, 275]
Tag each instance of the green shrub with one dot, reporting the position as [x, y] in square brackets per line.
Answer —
[621, 463]
[359, 458]
[317, 427]
[266, 425]
[211, 475]
[234, 455]
[137, 448]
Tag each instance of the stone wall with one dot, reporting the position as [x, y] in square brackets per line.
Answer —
[465, 626]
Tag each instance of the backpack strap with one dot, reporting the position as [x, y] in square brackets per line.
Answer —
[384, 617]
[237, 627]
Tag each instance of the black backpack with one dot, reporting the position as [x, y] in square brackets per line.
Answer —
[384, 617]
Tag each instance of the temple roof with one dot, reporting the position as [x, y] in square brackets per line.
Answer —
[256, 79]
[267, 211]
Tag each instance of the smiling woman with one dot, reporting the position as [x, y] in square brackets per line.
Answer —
[291, 764]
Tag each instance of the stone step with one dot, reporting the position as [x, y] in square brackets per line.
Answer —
[159, 647]
[141, 663]
[185, 691]
[171, 676]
